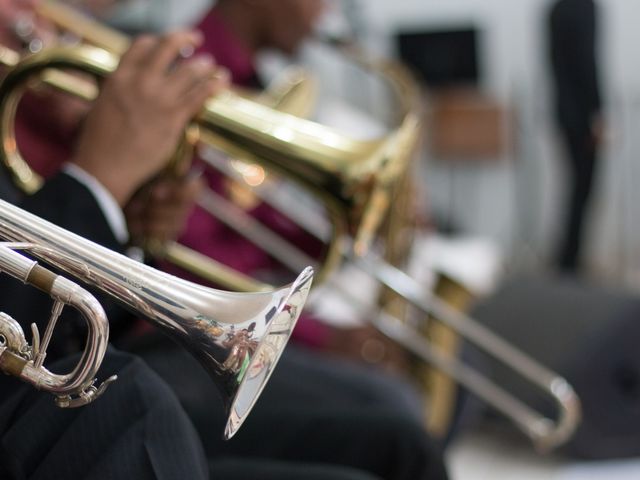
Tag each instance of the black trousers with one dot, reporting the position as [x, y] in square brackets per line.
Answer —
[264, 469]
[582, 157]
[137, 429]
[312, 411]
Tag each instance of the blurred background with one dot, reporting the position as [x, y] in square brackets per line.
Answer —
[502, 179]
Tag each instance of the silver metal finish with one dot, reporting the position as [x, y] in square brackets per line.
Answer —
[238, 337]
[77, 387]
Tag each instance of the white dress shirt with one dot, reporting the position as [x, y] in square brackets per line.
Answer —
[109, 206]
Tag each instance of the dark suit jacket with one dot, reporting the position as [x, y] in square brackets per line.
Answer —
[572, 43]
[7, 191]
[142, 432]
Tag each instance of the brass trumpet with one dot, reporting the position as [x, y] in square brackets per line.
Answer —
[238, 338]
[311, 153]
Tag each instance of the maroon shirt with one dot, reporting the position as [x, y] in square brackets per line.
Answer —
[43, 141]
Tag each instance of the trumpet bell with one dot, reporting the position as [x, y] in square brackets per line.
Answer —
[247, 368]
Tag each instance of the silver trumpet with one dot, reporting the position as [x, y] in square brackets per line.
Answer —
[19, 359]
[237, 337]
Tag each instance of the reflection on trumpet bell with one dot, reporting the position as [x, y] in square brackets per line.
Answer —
[238, 338]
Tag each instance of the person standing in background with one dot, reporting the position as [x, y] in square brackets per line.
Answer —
[573, 37]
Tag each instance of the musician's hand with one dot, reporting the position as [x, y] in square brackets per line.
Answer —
[159, 211]
[143, 108]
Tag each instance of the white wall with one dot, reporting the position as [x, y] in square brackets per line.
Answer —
[514, 33]
[512, 41]
[517, 202]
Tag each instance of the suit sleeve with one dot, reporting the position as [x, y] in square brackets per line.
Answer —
[67, 203]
